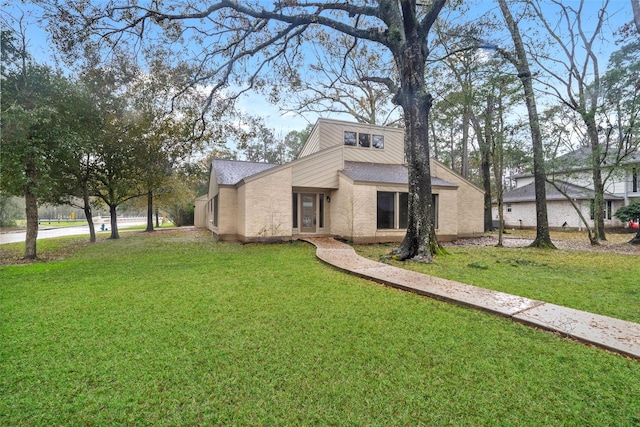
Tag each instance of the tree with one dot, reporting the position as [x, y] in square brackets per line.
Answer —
[521, 63]
[337, 82]
[241, 37]
[579, 87]
[36, 129]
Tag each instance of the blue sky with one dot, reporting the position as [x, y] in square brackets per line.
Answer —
[620, 13]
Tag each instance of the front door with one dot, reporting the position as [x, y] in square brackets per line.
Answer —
[308, 213]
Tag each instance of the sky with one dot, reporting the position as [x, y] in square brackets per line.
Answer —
[40, 48]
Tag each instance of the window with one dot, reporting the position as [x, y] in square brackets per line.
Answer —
[321, 210]
[634, 180]
[607, 209]
[215, 210]
[350, 138]
[393, 210]
[434, 211]
[508, 207]
[295, 210]
[378, 141]
[403, 210]
[363, 140]
[386, 210]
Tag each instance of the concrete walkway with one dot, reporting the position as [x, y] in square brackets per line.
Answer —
[612, 334]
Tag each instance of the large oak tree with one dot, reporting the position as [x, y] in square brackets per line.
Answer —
[236, 41]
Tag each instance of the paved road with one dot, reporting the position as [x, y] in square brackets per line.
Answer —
[46, 232]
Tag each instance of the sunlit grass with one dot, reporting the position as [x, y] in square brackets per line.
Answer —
[174, 328]
[599, 282]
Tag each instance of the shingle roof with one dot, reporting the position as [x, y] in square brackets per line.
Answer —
[230, 172]
[385, 173]
[527, 193]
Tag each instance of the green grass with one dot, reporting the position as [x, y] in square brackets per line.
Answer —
[599, 282]
[176, 329]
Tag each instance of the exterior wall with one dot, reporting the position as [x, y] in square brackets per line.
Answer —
[365, 201]
[354, 213]
[227, 213]
[313, 142]
[329, 133]
[200, 212]
[265, 208]
[341, 209]
[470, 200]
[559, 213]
[319, 170]
[448, 213]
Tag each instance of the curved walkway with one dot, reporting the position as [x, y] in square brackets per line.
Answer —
[612, 334]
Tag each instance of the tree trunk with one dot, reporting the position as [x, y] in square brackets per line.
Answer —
[149, 211]
[114, 222]
[420, 242]
[157, 218]
[635, 5]
[31, 211]
[598, 186]
[89, 215]
[464, 167]
[636, 239]
[543, 238]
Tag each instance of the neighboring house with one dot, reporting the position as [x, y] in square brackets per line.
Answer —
[621, 188]
[349, 181]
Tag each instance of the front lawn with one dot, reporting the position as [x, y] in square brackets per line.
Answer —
[595, 281]
[176, 329]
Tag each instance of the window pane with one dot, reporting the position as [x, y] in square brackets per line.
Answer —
[321, 209]
[364, 139]
[385, 209]
[403, 210]
[350, 138]
[434, 206]
[295, 210]
[634, 180]
[215, 210]
[378, 141]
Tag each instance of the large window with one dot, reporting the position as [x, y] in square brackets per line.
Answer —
[386, 209]
[393, 210]
[634, 180]
[363, 140]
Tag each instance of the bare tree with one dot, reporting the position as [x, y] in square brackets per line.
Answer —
[243, 41]
[337, 82]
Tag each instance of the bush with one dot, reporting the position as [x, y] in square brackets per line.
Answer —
[631, 212]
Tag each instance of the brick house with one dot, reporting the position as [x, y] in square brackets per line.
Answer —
[349, 181]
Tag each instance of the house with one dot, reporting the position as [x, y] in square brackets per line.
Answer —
[349, 181]
[575, 180]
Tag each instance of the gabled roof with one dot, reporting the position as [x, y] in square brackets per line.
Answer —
[581, 158]
[384, 173]
[527, 193]
[231, 172]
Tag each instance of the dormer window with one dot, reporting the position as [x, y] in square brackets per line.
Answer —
[350, 138]
[378, 141]
[363, 140]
